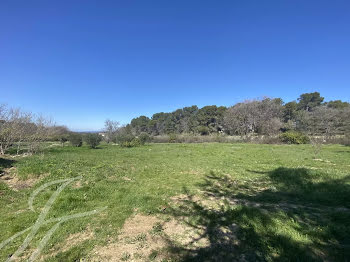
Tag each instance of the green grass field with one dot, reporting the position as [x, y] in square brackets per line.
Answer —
[249, 202]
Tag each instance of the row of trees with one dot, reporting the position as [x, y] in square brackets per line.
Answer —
[309, 114]
[192, 119]
[24, 130]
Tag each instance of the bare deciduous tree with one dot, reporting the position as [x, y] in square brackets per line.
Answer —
[256, 116]
[111, 127]
[17, 127]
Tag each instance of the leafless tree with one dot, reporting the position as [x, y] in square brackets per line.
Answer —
[17, 127]
[22, 120]
[324, 121]
[111, 127]
[256, 116]
[12, 126]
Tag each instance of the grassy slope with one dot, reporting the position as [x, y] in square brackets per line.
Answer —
[125, 179]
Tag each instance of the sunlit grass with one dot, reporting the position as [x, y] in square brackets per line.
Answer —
[144, 178]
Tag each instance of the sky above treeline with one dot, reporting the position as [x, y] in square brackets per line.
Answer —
[81, 62]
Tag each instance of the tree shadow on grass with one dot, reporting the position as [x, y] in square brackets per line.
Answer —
[288, 215]
[5, 163]
[304, 186]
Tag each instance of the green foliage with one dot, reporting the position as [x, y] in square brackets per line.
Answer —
[267, 116]
[140, 124]
[293, 137]
[129, 140]
[133, 143]
[93, 139]
[172, 138]
[144, 138]
[63, 139]
[75, 139]
[203, 130]
[309, 101]
[124, 137]
[184, 120]
[338, 104]
[289, 111]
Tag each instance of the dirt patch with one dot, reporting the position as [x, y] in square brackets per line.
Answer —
[71, 241]
[212, 202]
[145, 238]
[208, 202]
[77, 184]
[125, 178]
[10, 178]
[134, 242]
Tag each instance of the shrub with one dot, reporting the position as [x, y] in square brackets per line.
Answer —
[144, 138]
[136, 142]
[203, 130]
[172, 138]
[124, 137]
[93, 139]
[126, 144]
[293, 137]
[132, 143]
[75, 139]
[63, 139]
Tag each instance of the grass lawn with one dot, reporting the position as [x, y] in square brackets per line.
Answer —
[248, 202]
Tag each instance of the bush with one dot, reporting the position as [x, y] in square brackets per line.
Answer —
[126, 144]
[63, 139]
[144, 138]
[293, 137]
[172, 138]
[93, 139]
[75, 139]
[203, 130]
[133, 143]
[124, 137]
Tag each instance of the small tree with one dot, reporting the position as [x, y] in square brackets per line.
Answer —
[75, 139]
[63, 139]
[144, 138]
[93, 139]
[111, 128]
[316, 143]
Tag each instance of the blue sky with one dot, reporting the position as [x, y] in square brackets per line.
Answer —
[81, 62]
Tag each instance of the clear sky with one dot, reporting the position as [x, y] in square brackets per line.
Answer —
[81, 62]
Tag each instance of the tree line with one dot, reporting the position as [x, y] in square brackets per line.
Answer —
[25, 131]
[309, 115]
[266, 116]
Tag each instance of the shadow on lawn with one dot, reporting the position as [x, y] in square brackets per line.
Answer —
[5, 163]
[273, 219]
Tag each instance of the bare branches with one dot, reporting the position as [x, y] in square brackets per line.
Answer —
[111, 128]
[256, 116]
[17, 127]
